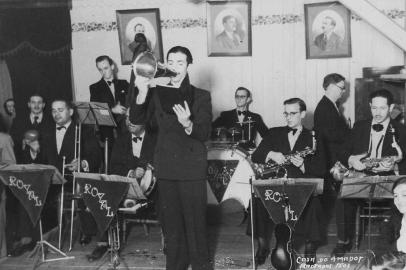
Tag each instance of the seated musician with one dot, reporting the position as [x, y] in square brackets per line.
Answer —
[392, 236]
[23, 234]
[133, 150]
[60, 143]
[279, 142]
[236, 120]
[375, 138]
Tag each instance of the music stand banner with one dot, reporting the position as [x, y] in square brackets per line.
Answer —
[102, 198]
[30, 187]
[273, 199]
[219, 174]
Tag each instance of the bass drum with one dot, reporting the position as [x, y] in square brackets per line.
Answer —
[228, 176]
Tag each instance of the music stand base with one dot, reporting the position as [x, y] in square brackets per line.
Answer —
[40, 248]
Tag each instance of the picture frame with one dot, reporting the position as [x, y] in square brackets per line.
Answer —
[327, 30]
[132, 21]
[229, 28]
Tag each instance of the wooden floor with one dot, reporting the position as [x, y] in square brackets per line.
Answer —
[229, 245]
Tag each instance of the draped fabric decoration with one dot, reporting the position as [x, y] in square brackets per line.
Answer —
[6, 91]
[36, 43]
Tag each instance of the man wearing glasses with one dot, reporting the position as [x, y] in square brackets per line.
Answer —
[280, 142]
[331, 132]
[242, 125]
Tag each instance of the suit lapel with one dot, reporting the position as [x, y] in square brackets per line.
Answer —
[387, 148]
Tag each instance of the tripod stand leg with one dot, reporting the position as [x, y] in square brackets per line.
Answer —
[252, 226]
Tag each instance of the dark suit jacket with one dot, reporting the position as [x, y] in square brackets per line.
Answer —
[90, 150]
[277, 141]
[122, 158]
[358, 142]
[22, 124]
[331, 131]
[331, 45]
[229, 119]
[100, 92]
[179, 156]
[389, 233]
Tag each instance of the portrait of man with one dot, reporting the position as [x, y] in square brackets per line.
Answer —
[327, 30]
[229, 38]
[229, 28]
[328, 40]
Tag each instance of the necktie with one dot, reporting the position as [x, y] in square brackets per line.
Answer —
[61, 127]
[242, 112]
[294, 130]
[136, 139]
[377, 127]
[36, 120]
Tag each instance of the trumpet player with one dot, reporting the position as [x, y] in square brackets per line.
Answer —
[379, 138]
[280, 142]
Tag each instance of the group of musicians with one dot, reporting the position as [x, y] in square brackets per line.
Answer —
[171, 137]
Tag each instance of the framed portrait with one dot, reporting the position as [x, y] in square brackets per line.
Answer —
[134, 21]
[229, 28]
[328, 31]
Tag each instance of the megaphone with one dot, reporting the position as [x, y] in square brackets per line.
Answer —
[146, 65]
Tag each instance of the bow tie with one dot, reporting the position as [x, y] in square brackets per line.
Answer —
[136, 139]
[61, 127]
[294, 130]
[242, 112]
[377, 127]
[110, 82]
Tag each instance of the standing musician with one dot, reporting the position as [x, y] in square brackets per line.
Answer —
[238, 118]
[372, 138]
[111, 91]
[180, 160]
[60, 142]
[279, 142]
[331, 131]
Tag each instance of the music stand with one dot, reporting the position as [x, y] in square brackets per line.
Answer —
[113, 236]
[370, 188]
[90, 113]
[57, 179]
[272, 193]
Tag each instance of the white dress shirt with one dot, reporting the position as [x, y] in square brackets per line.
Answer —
[376, 140]
[111, 86]
[60, 134]
[293, 138]
[32, 117]
[401, 242]
[137, 145]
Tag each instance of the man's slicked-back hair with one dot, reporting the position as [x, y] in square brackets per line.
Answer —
[245, 89]
[104, 57]
[181, 49]
[68, 104]
[332, 78]
[302, 104]
[382, 93]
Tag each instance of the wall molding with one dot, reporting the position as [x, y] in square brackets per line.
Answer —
[259, 20]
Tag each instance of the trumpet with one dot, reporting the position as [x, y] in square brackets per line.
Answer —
[273, 168]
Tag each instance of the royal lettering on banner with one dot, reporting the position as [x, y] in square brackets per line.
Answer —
[94, 192]
[25, 188]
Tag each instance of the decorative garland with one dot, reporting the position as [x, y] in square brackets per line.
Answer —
[202, 22]
[39, 52]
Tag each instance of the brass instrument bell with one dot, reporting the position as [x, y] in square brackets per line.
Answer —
[145, 65]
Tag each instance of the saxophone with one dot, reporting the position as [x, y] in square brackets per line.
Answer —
[273, 168]
[339, 171]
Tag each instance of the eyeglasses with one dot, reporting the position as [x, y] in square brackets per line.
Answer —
[291, 114]
[342, 88]
[238, 96]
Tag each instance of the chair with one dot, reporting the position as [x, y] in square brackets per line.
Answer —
[367, 214]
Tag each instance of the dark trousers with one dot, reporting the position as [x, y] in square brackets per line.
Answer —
[345, 218]
[310, 220]
[183, 216]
